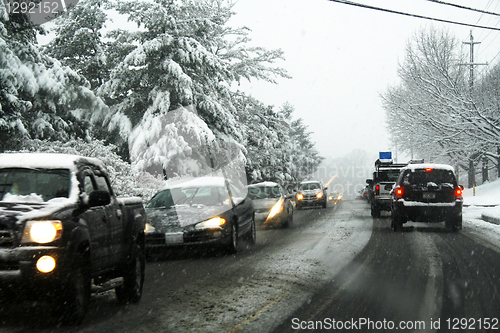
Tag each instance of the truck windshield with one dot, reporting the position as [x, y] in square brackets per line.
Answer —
[34, 185]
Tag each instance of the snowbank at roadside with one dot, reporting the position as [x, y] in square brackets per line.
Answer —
[484, 202]
[481, 212]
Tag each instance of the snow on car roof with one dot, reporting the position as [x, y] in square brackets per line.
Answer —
[310, 181]
[264, 184]
[43, 160]
[420, 166]
[197, 182]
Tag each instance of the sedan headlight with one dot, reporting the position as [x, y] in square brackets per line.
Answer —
[278, 207]
[148, 228]
[319, 195]
[42, 231]
[212, 223]
[300, 196]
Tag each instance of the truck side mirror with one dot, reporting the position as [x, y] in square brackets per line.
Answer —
[99, 198]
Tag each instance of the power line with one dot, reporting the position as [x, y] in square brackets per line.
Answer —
[346, 2]
[464, 7]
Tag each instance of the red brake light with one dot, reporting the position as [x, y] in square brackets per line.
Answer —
[377, 189]
[428, 169]
[399, 192]
[458, 192]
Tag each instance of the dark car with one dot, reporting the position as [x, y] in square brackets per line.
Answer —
[310, 194]
[272, 206]
[200, 211]
[427, 193]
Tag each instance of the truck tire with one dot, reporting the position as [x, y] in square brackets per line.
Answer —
[133, 278]
[375, 210]
[73, 303]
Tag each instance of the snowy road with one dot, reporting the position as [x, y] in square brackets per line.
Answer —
[337, 263]
[425, 277]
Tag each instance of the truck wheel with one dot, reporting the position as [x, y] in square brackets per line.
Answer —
[232, 246]
[133, 278]
[74, 300]
[252, 233]
[375, 211]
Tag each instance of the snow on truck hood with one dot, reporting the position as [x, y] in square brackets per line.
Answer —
[23, 211]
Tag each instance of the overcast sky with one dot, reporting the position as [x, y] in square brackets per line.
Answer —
[343, 57]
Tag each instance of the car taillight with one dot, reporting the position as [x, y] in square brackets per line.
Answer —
[377, 189]
[398, 192]
[458, 192]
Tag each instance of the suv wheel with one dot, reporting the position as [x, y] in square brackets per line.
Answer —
[454, 224]
[396, 221]
[133, 278]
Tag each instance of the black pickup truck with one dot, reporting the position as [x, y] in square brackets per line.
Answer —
[64, 234]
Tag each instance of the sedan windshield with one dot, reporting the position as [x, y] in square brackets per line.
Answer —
[208, 196]
[309, 186]
[34, 185]
[256, 193]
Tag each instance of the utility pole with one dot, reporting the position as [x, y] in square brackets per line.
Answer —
[471, 64]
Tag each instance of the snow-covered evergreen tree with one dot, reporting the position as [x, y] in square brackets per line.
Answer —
[39, 97]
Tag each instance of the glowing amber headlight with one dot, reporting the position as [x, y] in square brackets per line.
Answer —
[46, 264]
[278, 207]
[319, 195]
[42, 231]
[149, 228]
[212, 223]
[300, 196]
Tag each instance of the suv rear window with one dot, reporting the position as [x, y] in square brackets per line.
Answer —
[424, 177]
[387, 176]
